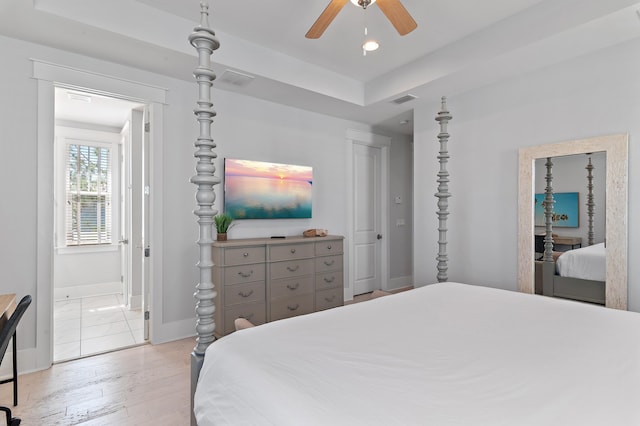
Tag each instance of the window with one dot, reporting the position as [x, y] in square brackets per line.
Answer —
[88, 195]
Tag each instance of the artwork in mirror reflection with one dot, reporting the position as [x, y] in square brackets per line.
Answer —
[262, 190]
[565, 210]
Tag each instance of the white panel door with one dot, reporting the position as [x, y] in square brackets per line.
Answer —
[367, 183]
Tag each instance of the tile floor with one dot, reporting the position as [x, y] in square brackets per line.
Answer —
[92, 325]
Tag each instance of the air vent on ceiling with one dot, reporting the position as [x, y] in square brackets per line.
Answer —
[236, 78]
[403, 99]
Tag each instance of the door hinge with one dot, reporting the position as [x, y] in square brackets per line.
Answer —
[147, 252]
[147, 127]
[146, 315]
[121, 278]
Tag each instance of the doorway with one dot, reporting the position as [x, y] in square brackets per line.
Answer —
[99, 219]
[369, 169]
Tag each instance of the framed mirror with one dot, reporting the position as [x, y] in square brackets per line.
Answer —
[616, 222]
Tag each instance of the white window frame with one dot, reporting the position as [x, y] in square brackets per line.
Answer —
[71, 135]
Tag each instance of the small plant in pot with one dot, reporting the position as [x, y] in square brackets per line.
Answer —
[223, 223]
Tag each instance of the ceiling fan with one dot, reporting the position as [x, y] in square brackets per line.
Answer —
[393, 10]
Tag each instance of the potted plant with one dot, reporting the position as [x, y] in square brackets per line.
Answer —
[223, 223]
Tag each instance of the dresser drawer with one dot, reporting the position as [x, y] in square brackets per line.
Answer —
[244, 255]
[291, 306]
[329, 298]
[254, 312]
[329, 263]
[244, 293]
[329, 280]
[291, 286]
[328, 247]
[294, 268]
[290, 251]
[244, 273]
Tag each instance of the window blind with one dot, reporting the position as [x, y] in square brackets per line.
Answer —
[88, 195]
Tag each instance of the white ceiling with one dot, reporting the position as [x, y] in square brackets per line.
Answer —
[459, 45]
[90, 108]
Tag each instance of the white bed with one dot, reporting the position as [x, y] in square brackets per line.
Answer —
[444, 354]
[587, 263]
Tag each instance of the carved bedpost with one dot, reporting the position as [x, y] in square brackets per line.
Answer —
[590, 203]
[204, 40]
[548, 212]
[548, 264]
[443, 194]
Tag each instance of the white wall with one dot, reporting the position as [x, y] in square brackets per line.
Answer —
[588, 96]
[401, 236]
[244, 128]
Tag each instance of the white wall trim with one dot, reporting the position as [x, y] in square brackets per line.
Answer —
[173, 330]
[48, 76]
[45, 226]
[78, 291]
[27, 362]
[384, 143]
[400, 282]
[159, 331]
[97, 83]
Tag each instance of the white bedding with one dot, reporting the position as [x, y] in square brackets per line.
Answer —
[444, 354]
[587, 263]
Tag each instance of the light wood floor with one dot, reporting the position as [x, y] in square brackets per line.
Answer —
[143, 386]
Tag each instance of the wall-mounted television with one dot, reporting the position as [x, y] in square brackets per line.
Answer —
[262, 190]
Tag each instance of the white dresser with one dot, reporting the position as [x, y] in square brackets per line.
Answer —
[265, 279]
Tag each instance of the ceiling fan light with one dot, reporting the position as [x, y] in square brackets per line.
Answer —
[370, 45]
[359, 5]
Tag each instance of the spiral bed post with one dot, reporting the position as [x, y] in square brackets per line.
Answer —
[443, 194]
[204, 40]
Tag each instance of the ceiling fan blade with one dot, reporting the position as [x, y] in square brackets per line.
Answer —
[398, 15]
[325, 18]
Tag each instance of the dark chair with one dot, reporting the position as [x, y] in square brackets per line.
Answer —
[7, 332]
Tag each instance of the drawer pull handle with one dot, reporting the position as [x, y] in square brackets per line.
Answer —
[329, 263]
[329, 280]
[330, 299]
[245, 294]
[293, 268]
[293, 308]
[245, 254]
[293, 287]
[293, 251]
[247, 317]
[245, 274]
[329, 247]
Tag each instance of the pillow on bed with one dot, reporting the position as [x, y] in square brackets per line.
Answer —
[242, 323]
[556, 255]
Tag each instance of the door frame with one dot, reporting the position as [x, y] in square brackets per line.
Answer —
[48, 76]
[384, 143]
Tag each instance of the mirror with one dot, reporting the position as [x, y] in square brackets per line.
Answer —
[615, 148]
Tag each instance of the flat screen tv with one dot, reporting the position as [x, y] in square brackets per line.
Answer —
[261, 190]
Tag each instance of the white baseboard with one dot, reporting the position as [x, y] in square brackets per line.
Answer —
[176, 330]
[399, 283]
[75, 292]
[135, 302]
[26, 362]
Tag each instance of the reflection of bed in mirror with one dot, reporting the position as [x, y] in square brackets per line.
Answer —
[615, 150]
[577, 274]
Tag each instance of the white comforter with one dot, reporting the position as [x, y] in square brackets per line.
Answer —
[444, 354]
[587, 263]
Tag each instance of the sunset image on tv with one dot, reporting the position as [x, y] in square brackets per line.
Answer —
[261, 190]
